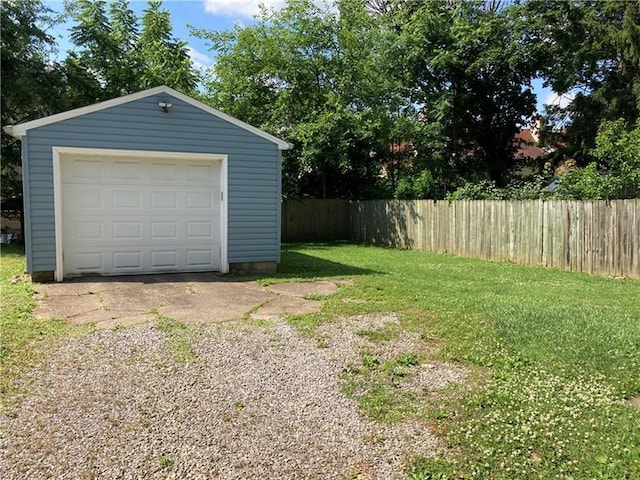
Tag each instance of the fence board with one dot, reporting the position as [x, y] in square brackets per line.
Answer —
[592, 236]
[316, 220]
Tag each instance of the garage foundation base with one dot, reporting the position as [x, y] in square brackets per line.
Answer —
[253, 267]
[42, 277]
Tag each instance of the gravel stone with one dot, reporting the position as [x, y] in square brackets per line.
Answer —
[256, 402]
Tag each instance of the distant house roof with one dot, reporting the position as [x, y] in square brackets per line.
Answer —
[525, 144]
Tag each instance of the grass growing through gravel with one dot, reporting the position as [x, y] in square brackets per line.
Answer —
[22, 337]
[561, 349]
[179, 338]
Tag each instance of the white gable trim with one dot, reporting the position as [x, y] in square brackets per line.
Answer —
[21, 129]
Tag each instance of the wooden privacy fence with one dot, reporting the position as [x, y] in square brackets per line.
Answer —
[588, 236]
[316, 220]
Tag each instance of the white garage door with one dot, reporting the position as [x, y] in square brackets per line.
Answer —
[128, 215]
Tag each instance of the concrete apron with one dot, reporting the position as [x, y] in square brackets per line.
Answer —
[190, 298]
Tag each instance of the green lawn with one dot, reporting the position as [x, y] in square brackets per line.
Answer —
[557, 355]
[553, 356]
[23, 339]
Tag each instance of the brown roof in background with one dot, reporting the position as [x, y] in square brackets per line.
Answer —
[526, 145]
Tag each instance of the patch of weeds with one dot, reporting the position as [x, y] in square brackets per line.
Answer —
[370, 361]
[24, 340]
[307, 323]
[385, 403]
[179, 339]
[435, 468]
[101, 301]
[384, 334]
[247, 315]
[322, 342]
[239, 405]
[408, 360]
[166, 462]
[265, 323]
[399, 372]
[376, 385]
[428, 336]
[315, 296]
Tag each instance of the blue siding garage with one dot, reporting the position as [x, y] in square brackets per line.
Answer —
[153, 181]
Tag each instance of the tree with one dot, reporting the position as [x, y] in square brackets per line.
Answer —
[473, 80]
[31, 83]
[319, 78]
[591, 50]
[163, 59]
[119, 57]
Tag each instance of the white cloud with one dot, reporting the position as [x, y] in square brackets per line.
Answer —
[200, 60]
[239, 8]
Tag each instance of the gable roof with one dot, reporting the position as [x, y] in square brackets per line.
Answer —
[526, 147]
[21, 129]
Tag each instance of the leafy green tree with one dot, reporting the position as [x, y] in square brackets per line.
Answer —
[414, 187]
[31, 85]
[616, 171]
[618, 151]
[163, 58]
[589, 183]
[321, 79]
[590, 49]
[469, 72]
[118, 57]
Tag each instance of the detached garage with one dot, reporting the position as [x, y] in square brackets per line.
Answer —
[150, 182]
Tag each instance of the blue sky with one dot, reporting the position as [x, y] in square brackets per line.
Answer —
[216, 15]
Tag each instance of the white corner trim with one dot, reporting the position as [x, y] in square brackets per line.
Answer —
[10, 130]
[58, 154]
[224, 182]
[21, 129]
[57, 207]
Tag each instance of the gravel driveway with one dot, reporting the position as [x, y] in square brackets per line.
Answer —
[252, 402]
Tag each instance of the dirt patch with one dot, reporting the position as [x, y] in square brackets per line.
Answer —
[304, 289]
[634, 402]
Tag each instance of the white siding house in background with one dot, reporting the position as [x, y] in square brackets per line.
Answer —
[150, 182]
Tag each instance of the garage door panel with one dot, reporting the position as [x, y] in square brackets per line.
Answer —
[88, 230]
[86, 169]
[88, 198]
[126, 199]
[164, 230]
[162, 171]
[127, 260]
[164, 259]
[201, 174]
[199, 230]
[200, 200]
[199, 258]
[127, 216]
[88, 261]
[160, 200]
[125, 170]
[128, 231]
